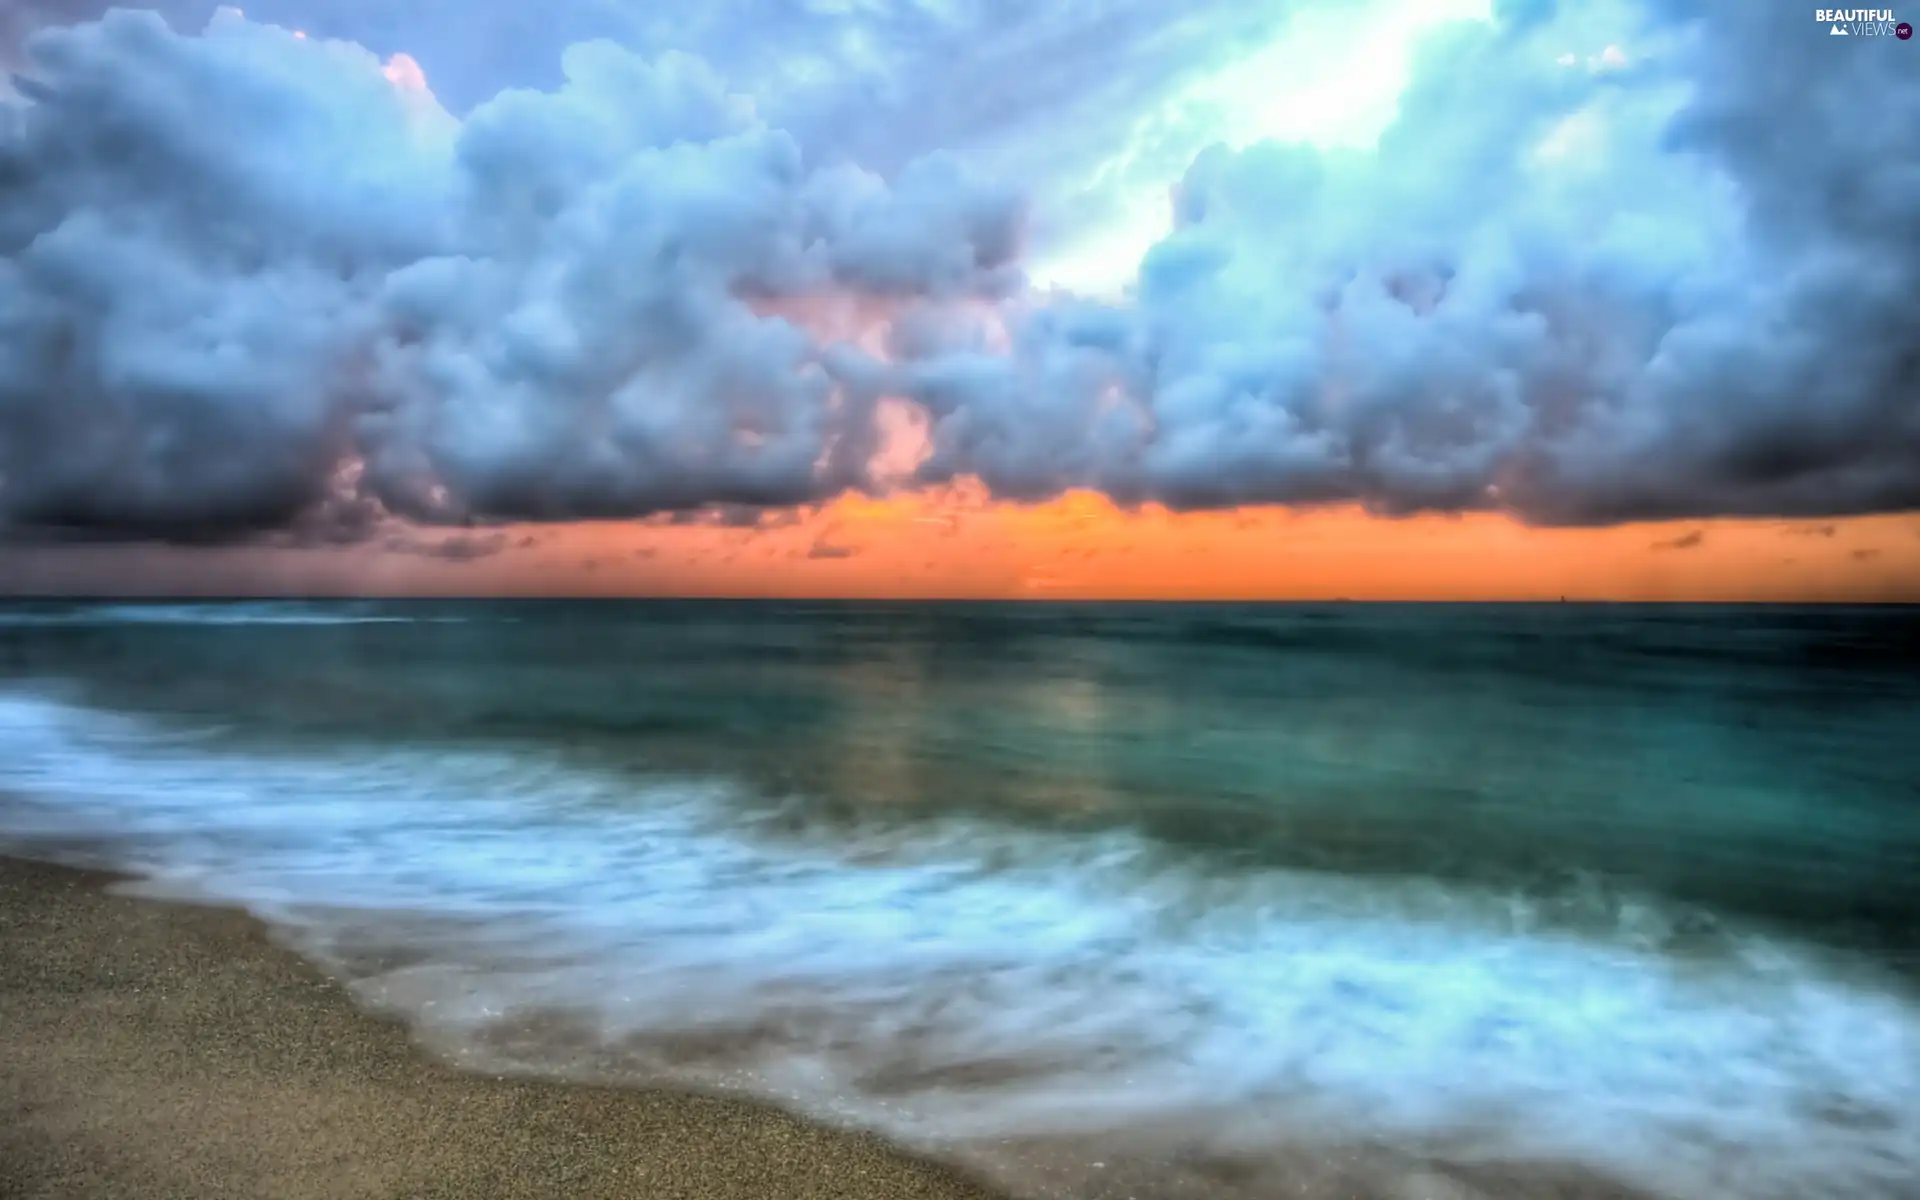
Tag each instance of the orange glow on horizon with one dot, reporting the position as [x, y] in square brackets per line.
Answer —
[958, 544]
[955, 543]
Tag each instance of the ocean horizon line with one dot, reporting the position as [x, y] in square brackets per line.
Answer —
[932, 601]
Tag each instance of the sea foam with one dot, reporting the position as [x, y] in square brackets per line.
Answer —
[1038, 1005]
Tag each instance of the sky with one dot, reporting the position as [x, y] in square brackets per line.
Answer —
[1317, 299]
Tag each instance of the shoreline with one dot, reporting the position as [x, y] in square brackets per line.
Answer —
[157, 1049]
[161, 1048]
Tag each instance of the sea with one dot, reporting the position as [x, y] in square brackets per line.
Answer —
[1406, 901]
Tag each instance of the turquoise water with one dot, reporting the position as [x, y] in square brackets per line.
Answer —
[1214, 891]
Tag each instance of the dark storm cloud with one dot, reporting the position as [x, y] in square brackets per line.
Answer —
[1680, 279]
[248, 283]
[337, 520]
[314, 291]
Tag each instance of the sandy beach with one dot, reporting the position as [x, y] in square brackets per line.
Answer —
[159, 1050]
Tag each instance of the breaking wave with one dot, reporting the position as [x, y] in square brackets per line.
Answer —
[1025, 1003]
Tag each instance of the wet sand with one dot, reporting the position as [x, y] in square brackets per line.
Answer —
[152, 1050]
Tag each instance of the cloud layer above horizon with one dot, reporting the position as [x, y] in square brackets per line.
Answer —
[1617, 262]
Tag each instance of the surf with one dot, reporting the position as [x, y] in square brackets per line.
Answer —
[1002, 996]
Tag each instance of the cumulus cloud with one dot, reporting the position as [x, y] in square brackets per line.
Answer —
[250, 277]
[1612, 262]
[878, 82]
[1677, 275]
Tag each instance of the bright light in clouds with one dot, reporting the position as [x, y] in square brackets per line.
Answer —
[1332, 78]
[1335, 79]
